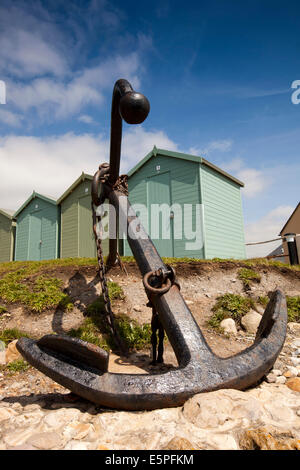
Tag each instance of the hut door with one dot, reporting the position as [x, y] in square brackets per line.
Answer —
[35, 237]
[160, 221]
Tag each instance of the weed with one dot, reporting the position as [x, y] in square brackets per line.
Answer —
[2, 309]
[230, 306]
[263, 300]
[248, 275]
[293, 308]
[11, 334]
[17, 366]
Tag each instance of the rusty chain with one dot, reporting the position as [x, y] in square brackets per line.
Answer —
[97, 220]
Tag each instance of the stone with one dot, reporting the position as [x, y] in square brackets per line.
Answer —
[293, 327]
[12, 354]
[296, 342]
[269, 438]
[271, 378]
[221, 442]
[281, 379]
[222, 409]
[56, 419]
[294, 384]
[250, 321]
[276, 372]
[295, 361]
[293, 372]
[6, 413]
[260, 309]
[45, 440]
[137, 308]
[229, 327]
[179, 443]
[23, 447]
[75, 445]
[2, 358]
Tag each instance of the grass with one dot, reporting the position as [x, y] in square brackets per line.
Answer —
[95, 329]
[11, 334]
[263, 300]
[247, 276]
[230, 306]
[2, 309]
[293, 308]
[17, 366]
[38, 294]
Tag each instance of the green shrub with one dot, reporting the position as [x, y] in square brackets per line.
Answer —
[247, 275]
[44, 292]
[17, 366]
[263, 300]
[135, 336]
[293, 308]
[230, 306]
[11, 334]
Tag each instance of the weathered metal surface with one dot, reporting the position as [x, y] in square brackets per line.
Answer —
[200, 370]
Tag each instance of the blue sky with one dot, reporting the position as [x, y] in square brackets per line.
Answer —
[218, 76]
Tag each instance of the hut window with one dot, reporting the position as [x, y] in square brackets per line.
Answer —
[36, 206]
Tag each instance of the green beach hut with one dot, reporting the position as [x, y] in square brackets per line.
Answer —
[199, 199]
[37, 231]
[77, 238]
[7, 235]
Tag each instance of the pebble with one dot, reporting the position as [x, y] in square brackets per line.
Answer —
[295, 361]
[271, 378]
[281, 380]
[276, 372]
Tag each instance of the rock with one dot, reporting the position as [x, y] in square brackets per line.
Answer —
[222, 409]
[179, 443]
[269, 438]
[296, 342]
[45, 440]
[281, 380]
[221, 442]
[2, 358]
[75, 445]
[2, 346]
[12, 354]
[58, 418]
[271, 378]
[295, 361]
[229, 327]
[6, 413]
[260, 309]
[291, 372]
[137, 308]
[276, 372]
[23, 447]
[250, 321]
[294, 327]
[189, 302]
[294, 384]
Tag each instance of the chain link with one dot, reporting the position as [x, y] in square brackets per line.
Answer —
[97, 219]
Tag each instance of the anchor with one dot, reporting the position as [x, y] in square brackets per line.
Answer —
[83, 367]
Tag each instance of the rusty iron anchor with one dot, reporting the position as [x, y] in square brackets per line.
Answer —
[83, 368]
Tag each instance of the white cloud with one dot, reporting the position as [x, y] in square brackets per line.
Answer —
[50, 165]
[266, 228]
[9, 118]
[216, 145]
[86, 119]
[256, 181]
[60, 99]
